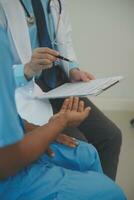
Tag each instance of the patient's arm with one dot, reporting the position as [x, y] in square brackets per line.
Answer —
[15, 157]
[29, 127]
[61, 138]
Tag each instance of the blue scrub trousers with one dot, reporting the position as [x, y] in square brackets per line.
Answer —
[73, 174]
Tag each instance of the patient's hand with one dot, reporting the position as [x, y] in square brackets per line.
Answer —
[73, 112]
[65, 140]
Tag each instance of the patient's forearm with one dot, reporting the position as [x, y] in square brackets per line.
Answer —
[29, 127]
[15, 157]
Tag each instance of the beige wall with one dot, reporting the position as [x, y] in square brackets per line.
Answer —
[103, 34]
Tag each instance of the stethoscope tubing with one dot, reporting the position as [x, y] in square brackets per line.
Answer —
[49, 7]
[54, 41]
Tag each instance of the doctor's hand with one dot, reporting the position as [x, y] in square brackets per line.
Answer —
[42, 58]
[77, 75]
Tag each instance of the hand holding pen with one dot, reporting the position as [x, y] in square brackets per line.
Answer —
[42, 58]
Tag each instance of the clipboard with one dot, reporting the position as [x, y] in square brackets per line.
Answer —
[80, 89]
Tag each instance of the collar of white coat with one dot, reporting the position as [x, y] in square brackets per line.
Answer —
[16, 21]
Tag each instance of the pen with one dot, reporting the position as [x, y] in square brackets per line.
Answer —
[63, 58]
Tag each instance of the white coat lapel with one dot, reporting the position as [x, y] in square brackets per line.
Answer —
[33, 110]
[16, 21]
[60, 38]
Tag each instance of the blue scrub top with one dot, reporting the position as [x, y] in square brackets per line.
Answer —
[11, 130]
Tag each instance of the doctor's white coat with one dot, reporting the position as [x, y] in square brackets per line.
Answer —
[12, 17]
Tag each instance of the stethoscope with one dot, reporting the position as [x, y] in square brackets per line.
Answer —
[49, 6]
[31, 19]
[54, 41]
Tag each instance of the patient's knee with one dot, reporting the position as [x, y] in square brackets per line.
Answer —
[89, 157]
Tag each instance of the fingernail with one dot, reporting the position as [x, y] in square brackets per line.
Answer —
[73, 138]
[77, 143]
[57, 53]
[73, 145]
[52, 154]
[67, 100]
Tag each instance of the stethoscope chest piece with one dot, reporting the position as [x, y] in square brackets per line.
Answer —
[30, 20]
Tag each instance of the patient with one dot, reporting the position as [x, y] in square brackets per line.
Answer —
[23, 37]
[26, 171]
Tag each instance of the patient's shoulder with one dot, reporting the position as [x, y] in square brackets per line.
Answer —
[3, 21]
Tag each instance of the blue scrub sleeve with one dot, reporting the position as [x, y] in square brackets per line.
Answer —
[20, 78]
[73, 65]
[11, 130]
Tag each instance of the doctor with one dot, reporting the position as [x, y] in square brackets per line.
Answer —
[48, 32]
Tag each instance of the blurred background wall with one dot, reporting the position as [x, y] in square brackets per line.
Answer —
[103, 35]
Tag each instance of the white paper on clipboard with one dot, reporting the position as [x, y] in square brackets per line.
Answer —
[92, 88]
